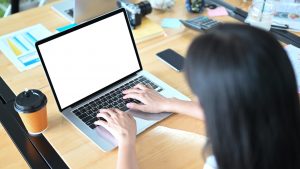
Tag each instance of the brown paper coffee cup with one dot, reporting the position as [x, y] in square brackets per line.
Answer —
[31, 106]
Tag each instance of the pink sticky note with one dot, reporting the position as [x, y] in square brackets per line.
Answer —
[219, 11]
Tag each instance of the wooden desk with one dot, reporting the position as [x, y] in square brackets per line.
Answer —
[9, 154]
[173, 143]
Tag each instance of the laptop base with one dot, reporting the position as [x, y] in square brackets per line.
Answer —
[103, 138]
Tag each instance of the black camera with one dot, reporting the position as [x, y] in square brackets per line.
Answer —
[135, 12]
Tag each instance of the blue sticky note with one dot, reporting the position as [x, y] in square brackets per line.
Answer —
[63, 28]
[170, 23]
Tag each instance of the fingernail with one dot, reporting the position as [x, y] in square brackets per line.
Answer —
[128, 105]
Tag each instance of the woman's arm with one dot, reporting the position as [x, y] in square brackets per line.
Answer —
[123, 127]
[155, 103]
[127, 157]
[189, 108]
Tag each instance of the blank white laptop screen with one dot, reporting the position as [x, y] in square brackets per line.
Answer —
[86, 60]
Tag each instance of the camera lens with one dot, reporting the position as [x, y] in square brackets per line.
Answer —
[145, 7]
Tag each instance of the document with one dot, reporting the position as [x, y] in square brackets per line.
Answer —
[19, 47]
[294, 56]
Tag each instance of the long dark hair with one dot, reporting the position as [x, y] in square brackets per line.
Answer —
[247, 88]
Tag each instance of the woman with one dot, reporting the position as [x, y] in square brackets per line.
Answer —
[245, 86]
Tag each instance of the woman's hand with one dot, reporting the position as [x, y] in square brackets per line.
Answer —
[152, 101]
[123, 127]
[120, 124]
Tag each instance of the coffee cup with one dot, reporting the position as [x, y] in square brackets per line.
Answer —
[31, 106]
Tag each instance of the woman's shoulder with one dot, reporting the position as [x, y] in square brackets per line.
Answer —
[210, 163]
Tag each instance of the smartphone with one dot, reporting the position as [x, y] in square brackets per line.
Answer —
[171, 58]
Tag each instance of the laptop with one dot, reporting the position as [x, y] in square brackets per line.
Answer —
[77, 11]
[88, 67]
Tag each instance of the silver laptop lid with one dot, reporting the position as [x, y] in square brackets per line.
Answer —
[87, 9]
[86, 59]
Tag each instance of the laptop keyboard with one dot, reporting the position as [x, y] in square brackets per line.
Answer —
[114, 99]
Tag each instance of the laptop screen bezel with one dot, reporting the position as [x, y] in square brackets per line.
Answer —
[120, 10]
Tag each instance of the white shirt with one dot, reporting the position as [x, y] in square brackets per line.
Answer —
[210, 163]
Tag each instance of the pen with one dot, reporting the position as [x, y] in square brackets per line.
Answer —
[262, 10]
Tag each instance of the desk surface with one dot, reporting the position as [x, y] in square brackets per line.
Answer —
[175, 142]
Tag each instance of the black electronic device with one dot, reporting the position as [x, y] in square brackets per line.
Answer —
[135, 12]
[172, 58]
[201, 23]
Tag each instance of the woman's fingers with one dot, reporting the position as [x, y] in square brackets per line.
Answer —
[111, 112]
[121, 125]
[104, 115]
[104, 124]
[100, 123]
[135, 106]
[119, 111]
[140, 86]
[138, 97]
[132, 90]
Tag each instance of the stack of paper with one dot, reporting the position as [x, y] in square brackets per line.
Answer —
[19, 47]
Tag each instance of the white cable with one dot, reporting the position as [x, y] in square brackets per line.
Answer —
[42, 2]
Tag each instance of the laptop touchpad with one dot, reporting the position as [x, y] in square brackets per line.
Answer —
[148, 116]
[103, 133]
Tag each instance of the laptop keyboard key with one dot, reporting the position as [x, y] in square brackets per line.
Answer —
[136, 101]
[91, 121]
[87, 118]
[77, 112]
[89, 112]
[94, 114]
[124, 108]
[92, 126]
[82, 116]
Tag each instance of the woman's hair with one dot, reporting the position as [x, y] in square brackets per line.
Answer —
[247, 88]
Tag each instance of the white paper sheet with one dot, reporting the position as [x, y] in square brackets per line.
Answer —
[19, 47]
